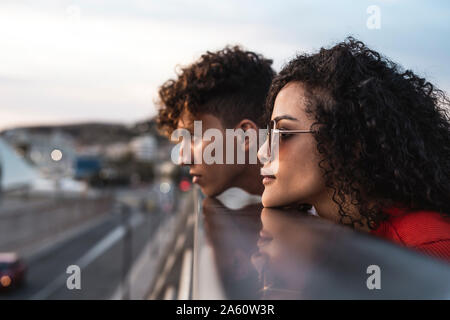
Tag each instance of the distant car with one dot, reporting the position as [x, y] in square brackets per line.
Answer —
[12, 271]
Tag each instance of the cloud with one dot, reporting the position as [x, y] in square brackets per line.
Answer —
[104, 60]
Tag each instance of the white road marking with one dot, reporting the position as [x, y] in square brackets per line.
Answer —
[102, 246]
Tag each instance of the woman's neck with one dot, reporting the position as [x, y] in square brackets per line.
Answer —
[328, 209]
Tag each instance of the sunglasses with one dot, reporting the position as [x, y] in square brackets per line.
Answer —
[273, 132]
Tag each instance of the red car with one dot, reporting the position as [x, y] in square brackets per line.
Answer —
[12, 271]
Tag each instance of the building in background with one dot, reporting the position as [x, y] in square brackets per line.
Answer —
[52, 152]
[144, 148]
[16, 172]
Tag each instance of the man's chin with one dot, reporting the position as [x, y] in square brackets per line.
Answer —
[209, 192]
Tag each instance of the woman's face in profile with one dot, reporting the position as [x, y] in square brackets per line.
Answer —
[297, 176]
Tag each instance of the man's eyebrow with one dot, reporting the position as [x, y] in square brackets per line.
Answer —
[284, 117]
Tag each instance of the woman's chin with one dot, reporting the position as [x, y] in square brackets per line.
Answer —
[270, 200]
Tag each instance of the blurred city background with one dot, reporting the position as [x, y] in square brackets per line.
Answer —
[104, 197]
[85, 179]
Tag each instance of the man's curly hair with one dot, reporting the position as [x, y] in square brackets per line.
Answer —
[382, 132]
[231, 84]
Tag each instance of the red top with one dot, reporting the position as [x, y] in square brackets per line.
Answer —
[426, 231]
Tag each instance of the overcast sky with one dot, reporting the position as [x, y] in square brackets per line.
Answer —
[103, 60]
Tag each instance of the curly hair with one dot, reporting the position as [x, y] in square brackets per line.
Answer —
[231, 84]
[382, 131]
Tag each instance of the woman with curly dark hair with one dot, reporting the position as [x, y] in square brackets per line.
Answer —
[364, 142]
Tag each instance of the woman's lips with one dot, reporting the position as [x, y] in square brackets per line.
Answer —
[264, 238]
[268, 179]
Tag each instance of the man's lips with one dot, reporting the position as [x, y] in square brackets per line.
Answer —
[267, 179]
[195, 177]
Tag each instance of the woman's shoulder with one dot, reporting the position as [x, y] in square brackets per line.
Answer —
[424, 230]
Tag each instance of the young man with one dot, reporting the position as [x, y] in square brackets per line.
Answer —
[224, 90]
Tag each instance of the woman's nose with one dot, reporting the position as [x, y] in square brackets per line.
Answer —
[263, 152]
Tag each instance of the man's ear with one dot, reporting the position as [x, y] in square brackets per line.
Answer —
[245, 125]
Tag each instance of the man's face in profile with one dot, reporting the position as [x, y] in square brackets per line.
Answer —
[214, 178]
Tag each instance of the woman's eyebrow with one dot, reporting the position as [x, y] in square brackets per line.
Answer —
[284, 117]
